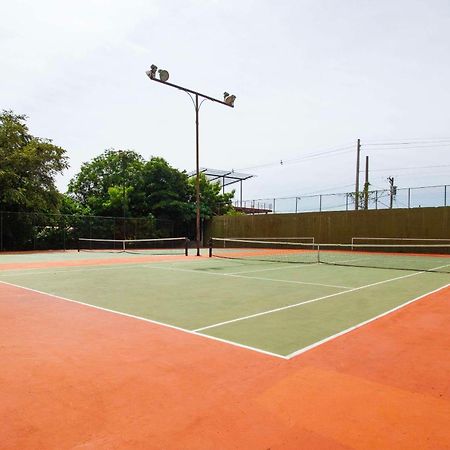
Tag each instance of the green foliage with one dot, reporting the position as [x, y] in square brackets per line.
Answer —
[69, 206]
[103, 184]
[233, 212]
[28, 166]
[167, 192]
[118, 183]
[371, 198]
[114, 184]
[212, 201]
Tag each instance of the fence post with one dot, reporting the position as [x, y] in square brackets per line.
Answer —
[63, 222]
[320, 202]
[376, 199]
[33, 229]
[1, 231]
[274, 206]
[445, 195]
[409, 197]
[296, 203]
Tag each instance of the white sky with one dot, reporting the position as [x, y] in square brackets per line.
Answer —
[309, 76]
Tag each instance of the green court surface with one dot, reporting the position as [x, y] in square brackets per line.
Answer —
[273, 307]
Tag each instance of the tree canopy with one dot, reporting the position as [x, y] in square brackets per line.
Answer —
[116, 183]
[121, 182]
[28, 166]
[103, 183]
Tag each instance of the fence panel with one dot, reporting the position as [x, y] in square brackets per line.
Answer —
[39, 231]
[424, 196]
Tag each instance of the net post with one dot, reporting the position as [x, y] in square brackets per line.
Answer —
[210, 248]
[78, 245]
[318, 253]
[186, 247]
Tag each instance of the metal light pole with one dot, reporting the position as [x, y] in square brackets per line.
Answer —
[228, 101]
[122, 164]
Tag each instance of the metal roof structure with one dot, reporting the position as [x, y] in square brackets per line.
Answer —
[224, 177]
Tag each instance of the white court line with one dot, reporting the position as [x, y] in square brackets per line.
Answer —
[153, 266]
[55, 270]
[283, 266]
[137, 264]
[359, 325]
[207, 272]
[363, 258]
[236, 344]
[282, 308]
[284, 281]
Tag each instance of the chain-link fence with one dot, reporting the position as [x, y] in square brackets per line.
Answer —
[414, 197]
[39, 231]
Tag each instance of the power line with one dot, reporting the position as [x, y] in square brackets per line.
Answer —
[412, 142]
[409, 147]
[315, 155]
[409, 168]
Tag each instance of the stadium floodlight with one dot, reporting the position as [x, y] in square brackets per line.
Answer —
[163, 75]
[152, 72]
[228, 100]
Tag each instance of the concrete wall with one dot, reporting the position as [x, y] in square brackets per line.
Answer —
[337, 226]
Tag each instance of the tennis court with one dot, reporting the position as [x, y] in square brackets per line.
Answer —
[244, 296]
[263, 301]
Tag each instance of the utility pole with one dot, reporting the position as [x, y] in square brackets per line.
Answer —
[366, 185]
[358, 156]
[392, 191]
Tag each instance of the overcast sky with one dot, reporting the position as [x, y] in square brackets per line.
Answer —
[310, 76]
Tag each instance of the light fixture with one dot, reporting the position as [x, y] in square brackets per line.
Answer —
[163, 75]
[152, 72]
[229, 99]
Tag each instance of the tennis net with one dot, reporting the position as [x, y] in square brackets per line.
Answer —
[161, 246]
[427, 258]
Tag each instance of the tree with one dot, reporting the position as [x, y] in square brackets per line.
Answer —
[167, 191]
[212, 201]
[107, 184]
[28, 166]
[118, 183]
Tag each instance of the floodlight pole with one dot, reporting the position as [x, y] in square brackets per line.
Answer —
[197, 105]
[122, 163]
[197, 177]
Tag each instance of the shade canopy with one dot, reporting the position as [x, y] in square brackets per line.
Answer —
[224, 177]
